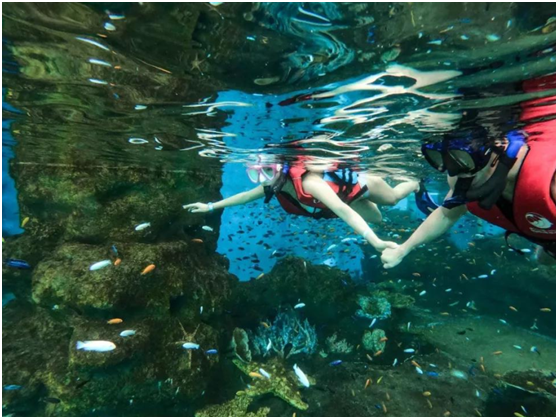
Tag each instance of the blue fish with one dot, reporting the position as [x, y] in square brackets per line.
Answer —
[472, 370]
[371, 35]
[114, 249]
[18, 263]
[498, 392]
[432, 374]
[336, 362]
[378, 406]
[12, 387]
[211, 352]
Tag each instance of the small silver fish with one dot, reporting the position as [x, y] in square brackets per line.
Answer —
[493, 37]
[517, 347]
[302, 378]
[395, 362]
[409, 351]
[373, 322]
[300, 305]
[190, 345]
[265, 373]
[100, 265]
[109, 26]
[126, 333]
[207, 228]
[423, 293]
[142, 226]
[333, 246]
[96, 345]
[482, 276]
[269, 345]
[418, 370]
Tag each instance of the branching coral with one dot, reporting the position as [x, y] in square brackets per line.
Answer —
[286, 336]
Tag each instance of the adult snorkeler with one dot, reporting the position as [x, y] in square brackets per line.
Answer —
[320, 191]
[510, 183]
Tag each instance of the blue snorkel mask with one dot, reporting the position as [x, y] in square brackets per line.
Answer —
[457, 156]
[460, 157]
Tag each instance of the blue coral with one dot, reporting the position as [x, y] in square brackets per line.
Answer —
[288, 335]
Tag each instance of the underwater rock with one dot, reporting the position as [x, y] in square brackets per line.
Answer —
[531, 381]
[335, 346]
[240, 344]
[373, 307]
[183, 273]
[103, 204]
[372, 340]
[163, 372]
[282, 383]
[34, 352]
[237, 407]
[327, 292]
[286, 336]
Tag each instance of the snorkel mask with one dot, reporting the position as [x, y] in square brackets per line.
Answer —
[261, 173]
[457, 157]
[460, 157]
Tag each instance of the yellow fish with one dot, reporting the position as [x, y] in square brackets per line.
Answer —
[148, 269]
[25, 221]
[256, 375]
[379, 380]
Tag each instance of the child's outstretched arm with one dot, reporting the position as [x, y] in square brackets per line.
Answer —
[238, 199]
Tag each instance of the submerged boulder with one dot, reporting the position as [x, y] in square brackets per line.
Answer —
[327, 293]
[182, 272]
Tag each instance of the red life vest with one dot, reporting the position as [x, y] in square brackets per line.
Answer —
[533, 209]
[345, 190]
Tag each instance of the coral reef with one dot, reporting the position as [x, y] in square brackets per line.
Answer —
[373, 307]
[237, 407]
[282, 383]
[286, 336]
[373, 340]
[395, 299]
[240, 344]
[335, 346]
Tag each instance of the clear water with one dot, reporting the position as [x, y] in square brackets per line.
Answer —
[116, 115]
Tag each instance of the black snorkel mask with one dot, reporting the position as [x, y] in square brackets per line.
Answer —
[460, 157]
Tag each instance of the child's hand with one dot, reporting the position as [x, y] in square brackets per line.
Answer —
[197, 207]
[382, 245]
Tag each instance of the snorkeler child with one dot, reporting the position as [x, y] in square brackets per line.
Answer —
[321, 192]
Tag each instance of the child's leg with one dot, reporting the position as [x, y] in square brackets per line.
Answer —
[383, 194]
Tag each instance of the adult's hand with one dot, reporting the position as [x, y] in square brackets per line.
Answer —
[391, 257]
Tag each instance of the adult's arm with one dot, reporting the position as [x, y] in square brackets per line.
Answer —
[437, 224]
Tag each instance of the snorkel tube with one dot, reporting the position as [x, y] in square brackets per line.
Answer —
[490, 191]
[271, 190]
